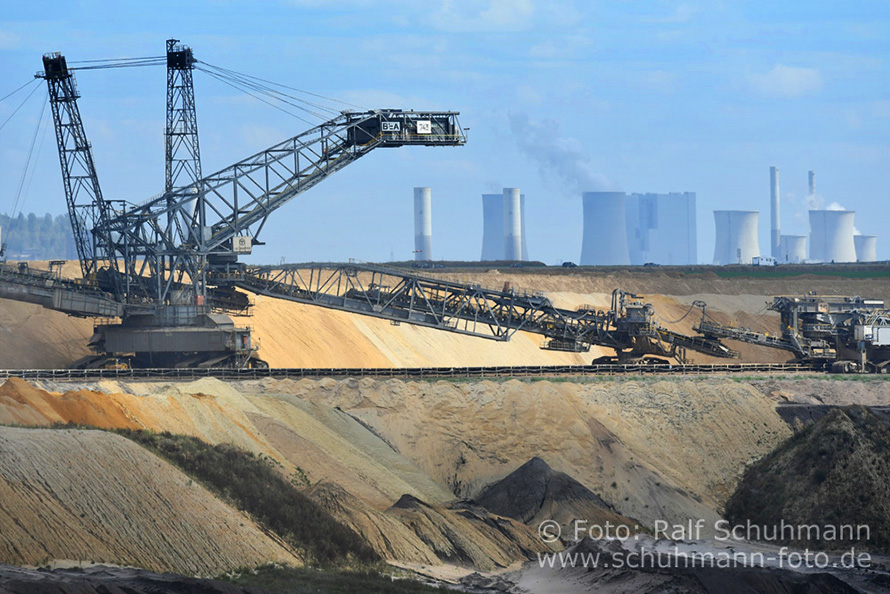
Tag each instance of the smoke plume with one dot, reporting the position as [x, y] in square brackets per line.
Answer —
[559, 159]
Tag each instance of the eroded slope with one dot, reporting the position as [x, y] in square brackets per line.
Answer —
[95, 496]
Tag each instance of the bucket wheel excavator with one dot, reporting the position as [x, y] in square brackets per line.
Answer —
[841, 334]
[162, 276]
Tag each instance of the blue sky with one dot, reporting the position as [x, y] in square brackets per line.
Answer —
[559, 97]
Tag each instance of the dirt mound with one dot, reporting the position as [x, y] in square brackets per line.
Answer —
[534, 492]
[390, 538]
[468, 536]
[313, 443]
[309, 440]
[836, 391]
[653, 450]
[95, 496]
[834, 473]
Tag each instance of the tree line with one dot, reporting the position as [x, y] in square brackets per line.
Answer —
[34, 237]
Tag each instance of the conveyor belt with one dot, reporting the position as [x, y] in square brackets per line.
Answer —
[408, 372]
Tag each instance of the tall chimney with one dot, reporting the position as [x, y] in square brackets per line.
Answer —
[423, 224]
[512, 224]
[775, 233]
[812, 182]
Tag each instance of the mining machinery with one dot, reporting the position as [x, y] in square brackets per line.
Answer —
[148, 267]
[837, 333]
[629, 327]
[164, 274]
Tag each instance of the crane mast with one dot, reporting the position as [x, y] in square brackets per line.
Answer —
[87, 208]
[182, 152]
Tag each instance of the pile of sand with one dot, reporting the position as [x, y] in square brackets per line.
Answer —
[534, 493]
[98, 497]
[835, 472]
[468, 537]
[307, 439]
[653, 450]
[355, 474]
[668, 450]
[417, 533]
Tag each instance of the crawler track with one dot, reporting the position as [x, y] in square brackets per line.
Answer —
[408, 372]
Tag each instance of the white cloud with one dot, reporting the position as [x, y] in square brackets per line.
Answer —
[787, 82]
[461, 16]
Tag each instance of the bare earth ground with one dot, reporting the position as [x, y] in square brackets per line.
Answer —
[389, 457]
[98, 497]
[650, 449]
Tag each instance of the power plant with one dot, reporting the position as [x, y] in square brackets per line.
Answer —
[831, 236]
[792, 249]
[423, 224]
[661, 228]
[605, 229]
[494, 231]
[736, 239]
[622, 229]
[866, 248]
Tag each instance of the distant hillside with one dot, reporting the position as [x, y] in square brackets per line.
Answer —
[835, 472]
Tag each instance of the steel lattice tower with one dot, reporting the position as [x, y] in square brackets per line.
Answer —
[182, 151]
[183, 155]
[87, 209]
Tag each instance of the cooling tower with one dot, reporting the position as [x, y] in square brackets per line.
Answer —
[831, 236]
[423, 224]
[492, 226]
[736, 237]
[866, 248]
[605, 229]
[661, 228]
[775, 234]
[512, 224]
[792, 249]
